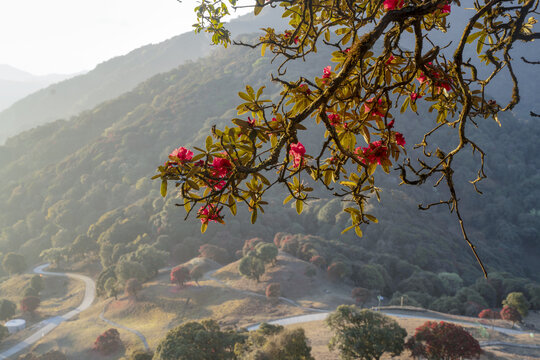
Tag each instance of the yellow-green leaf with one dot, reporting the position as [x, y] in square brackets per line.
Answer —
[299, 206]
[163, 189]
[358, 231]
[204, 226]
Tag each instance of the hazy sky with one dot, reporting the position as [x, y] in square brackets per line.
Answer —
[67, 36]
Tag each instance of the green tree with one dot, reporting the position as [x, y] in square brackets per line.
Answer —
[375, 75]
[36, 282]
[13, 263]
[7, 309]
[198, 341]
[111, 288]
[278, 345]
[197, 273]
[364, 334]
[251, 267]
[518, 301]
[126, 270]
[133, 286]
[266, 252]
[54, 255]
[151, 258]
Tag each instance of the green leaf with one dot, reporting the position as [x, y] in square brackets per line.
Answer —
[208, 143]
[347, 229]
[372, 218]
[358, 231]
[299, 206]
[287, 199]
[163, 189]
[473, 36]
[204, 226]
[244, 96]
[254, 216]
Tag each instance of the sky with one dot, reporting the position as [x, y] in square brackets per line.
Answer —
[70, 36]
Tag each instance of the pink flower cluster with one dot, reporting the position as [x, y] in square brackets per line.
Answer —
[375, 153]
[375, 109]
[183, 154]
[439, 81]
[221, 167]
[392, 4]
[334, 119]
[400, 140]
[297, 152]
[208, 213]
[327, 72]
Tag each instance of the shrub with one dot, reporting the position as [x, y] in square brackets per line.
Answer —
[7, 309]
[273, 290]
[266, 252]
[141, 355]
[274, 343]
[4, 333]
[109, 342]
[364, 334]
[318, 261]
[443, 340]
[30, 304]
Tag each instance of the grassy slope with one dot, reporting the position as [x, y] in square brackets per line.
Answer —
[58, 297]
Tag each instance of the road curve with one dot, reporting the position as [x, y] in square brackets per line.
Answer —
[321, 316]
[46, 326]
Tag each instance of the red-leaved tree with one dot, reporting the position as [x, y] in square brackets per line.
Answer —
[29, 304]
[511, 314]
[109, 342]
[489, 314]
[444, 341]
[318, 261]
[360, 295]
[179, 275]
[273, 290]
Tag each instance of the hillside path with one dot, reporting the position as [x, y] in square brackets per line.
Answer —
[46, 326]
[138, 333]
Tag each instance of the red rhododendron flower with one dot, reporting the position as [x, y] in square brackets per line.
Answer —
[297, 152]
[305, 88]
[392, 4]
[334, 119]
[221, 167]
[274, 119]
[375, 109]
[415, 96]
[390, 59]
[400, 140]
[209, 213]
[446, 9]
[346, 51]
[390, 125]
[376, 153]
[327, 71]
[182, 153]
[251, 122]
[421, 78]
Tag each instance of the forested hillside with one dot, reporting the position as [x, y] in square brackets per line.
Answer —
[83, 188]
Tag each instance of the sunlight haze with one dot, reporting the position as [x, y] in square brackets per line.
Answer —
[66, 36]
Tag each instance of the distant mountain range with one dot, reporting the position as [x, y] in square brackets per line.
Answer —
[109, 79]
[15, 84]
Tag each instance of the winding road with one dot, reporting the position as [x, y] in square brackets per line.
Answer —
[46, 326]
